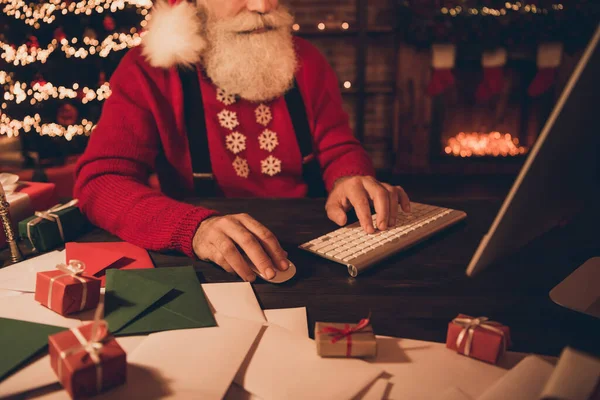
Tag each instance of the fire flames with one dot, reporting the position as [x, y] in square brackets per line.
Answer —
[477, 144]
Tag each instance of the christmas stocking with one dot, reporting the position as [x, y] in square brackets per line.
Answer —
[493, 63]
[443, 58]
[549, 57]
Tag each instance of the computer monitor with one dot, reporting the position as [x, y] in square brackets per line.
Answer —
[561, 173]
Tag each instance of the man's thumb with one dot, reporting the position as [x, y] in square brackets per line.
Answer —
[337, 214]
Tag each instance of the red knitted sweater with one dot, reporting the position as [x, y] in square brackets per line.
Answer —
[142, 130]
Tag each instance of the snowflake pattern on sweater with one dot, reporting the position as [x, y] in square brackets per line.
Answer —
[241, 167]
[224, 97]
[228, 119]
[263, 115]
[271, 166]
[268, 140]
[236, 142]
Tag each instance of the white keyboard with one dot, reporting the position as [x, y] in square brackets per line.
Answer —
[356, 249]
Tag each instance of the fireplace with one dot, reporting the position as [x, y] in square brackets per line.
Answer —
[455, 132]
[505, 125]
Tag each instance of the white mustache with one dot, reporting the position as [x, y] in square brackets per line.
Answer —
[248, 21]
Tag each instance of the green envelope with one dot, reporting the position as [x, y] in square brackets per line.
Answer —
[21, 341]
[153, 300]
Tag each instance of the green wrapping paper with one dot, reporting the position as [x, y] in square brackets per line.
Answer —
[52, 228]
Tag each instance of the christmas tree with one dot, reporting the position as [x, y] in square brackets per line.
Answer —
[56, 58]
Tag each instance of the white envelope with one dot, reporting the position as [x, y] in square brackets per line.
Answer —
[191, 363]
[39, 380]
[284, 365]
[424, 370]
[454, 394]
[25, 308]
[292, 319]
[575, 377]
[236, 300]
[524, 382]
[21, 276]
[9, 293]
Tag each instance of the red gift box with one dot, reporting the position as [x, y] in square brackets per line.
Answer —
[87, 360]
[478, 338]
[25, 200]
[64, 291]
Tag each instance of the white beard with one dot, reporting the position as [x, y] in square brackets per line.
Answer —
[257, 66]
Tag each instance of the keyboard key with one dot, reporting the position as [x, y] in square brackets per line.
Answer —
[326, 249]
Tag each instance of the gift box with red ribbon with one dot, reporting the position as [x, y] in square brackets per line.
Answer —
[65, 291]
[345, 340]
[478, 338]
[24, 198]
[87, 360]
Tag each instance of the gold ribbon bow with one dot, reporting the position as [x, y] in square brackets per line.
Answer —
[92, 347]
[50, 216]
[470, 325]
[74, 269]
[8, 183]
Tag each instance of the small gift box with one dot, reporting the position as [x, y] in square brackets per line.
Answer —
[345, 340]
[24, 198]
[65, 291]
[87, 360]
[51, 228]
[478, 338]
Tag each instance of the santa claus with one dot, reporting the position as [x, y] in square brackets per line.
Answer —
[220, 98]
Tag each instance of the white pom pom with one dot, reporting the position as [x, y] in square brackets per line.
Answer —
[174, 36]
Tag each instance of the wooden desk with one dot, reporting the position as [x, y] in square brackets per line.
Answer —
[415, 294]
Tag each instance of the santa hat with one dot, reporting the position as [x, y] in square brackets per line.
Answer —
[174, 35]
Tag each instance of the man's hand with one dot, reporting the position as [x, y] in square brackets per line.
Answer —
[358, 192]
[218, 239]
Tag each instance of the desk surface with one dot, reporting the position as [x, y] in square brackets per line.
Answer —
[416, 293]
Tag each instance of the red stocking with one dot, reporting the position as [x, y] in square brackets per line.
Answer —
[543, 81]
[493, 63]
[443, 58]
[492, 84]
[441, 79]
[548, 59]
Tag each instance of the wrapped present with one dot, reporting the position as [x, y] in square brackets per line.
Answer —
[65, 291]
[346, 340]
[24, 198]
[87, 360]
[478, 338]
[51, 228]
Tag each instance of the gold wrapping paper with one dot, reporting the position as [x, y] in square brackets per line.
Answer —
[343, 340]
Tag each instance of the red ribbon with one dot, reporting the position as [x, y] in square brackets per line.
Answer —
[345, 333]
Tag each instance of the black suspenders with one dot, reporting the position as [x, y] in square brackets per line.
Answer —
[195, 123]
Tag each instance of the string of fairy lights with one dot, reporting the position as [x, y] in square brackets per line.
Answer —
[13, 127]
[24, 55]
[508, 7]
[19, 93]
[33, 14]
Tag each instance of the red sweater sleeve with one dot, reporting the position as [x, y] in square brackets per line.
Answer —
[112, 173]
[338, 151]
